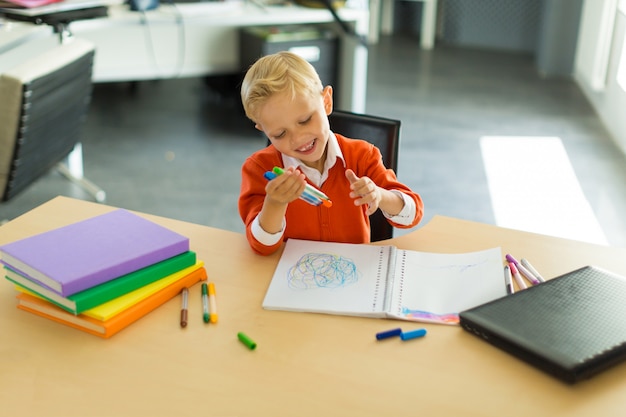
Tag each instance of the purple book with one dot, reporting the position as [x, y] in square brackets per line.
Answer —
[81, 255]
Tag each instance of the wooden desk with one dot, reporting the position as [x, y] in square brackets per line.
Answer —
[305, 364]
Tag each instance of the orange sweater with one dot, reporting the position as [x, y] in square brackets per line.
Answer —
[343, 222]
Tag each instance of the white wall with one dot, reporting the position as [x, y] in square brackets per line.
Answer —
[596, 68]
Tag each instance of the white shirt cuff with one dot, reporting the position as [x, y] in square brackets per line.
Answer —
[268, 239]
[407, 214]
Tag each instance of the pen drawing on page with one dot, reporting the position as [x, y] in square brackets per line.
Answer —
[329, 277]
[322, 270]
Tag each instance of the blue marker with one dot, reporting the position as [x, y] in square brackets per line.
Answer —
[388, 333]
[413, 334]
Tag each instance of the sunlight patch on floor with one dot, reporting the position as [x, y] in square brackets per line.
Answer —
[534, 188]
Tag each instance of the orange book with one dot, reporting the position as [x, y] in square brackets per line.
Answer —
[108, 328]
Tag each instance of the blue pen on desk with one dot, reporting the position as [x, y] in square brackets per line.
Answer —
[310, 194]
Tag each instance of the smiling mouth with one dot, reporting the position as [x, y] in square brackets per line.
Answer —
[308, 147]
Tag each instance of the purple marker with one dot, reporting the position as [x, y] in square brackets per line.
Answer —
[525, 272]
[510, 258]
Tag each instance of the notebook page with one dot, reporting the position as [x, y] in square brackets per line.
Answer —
[435, 287]
[328, 277]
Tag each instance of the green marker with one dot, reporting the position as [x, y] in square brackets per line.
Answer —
[246, 341]
[205, 303]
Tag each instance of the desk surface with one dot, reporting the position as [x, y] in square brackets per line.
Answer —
[14, 34]
[305, 364]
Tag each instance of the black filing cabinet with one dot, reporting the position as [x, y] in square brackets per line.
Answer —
[317, 45]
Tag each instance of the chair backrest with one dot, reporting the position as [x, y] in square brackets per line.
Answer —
[384, 133]
[44, 105]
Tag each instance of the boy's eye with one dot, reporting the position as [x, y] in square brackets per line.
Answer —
[280, 135]
[306, 121]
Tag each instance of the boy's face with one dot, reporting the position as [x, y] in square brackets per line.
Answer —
[298, 128]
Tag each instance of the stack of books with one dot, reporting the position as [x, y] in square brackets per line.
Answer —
[101, 274]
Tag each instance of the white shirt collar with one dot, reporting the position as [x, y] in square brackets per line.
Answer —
[333, 153]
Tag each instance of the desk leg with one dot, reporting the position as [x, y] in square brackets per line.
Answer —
[429, 20]
[352, 75]
[429, 24]
[375, 26]
[73, 171]
[386, 16]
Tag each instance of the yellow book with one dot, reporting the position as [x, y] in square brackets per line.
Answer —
[112, 308]
[108, 328]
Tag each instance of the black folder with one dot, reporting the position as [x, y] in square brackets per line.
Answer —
[571, 327]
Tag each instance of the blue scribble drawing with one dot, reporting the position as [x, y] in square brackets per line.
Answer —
[322, 270]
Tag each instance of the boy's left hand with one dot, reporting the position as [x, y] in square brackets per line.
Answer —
[364, 191]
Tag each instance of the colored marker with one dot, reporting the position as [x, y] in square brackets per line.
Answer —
[311, 199]
[532, 270]
[388, 333]
[528, 275]
[413, 334]
[510, 258]
[525, 272]
[508, 280]
[205, 303]
[518, 278]
[212, 303]
[183, 309]
[313, 193]
[250, 344]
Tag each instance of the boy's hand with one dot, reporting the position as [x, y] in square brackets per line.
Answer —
[364, 191]
[287, 187]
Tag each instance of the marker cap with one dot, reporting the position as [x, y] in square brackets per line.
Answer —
[413, 334]
[243, 338]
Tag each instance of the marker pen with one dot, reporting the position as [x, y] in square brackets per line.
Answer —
[310, 194]
[517, 276]
[532, 270]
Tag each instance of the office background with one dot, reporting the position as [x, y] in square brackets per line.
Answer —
[174, 147]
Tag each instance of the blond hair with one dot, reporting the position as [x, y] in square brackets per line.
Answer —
[282, 72]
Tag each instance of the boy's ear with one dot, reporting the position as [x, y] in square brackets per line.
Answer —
[327, 96]
[257, 127]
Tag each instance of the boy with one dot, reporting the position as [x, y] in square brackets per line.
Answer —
[283, 95]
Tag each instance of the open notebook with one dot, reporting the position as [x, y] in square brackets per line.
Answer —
[571, 327]
[383, 281]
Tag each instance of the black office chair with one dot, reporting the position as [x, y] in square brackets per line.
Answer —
[44, 105]
[384, 133]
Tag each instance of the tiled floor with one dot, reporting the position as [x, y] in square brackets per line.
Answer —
[174, 148]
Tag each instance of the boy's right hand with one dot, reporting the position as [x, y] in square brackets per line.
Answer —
[287, 187]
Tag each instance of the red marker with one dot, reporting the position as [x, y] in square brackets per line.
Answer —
[518, 278]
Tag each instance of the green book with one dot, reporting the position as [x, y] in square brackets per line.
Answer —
[107, 291]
